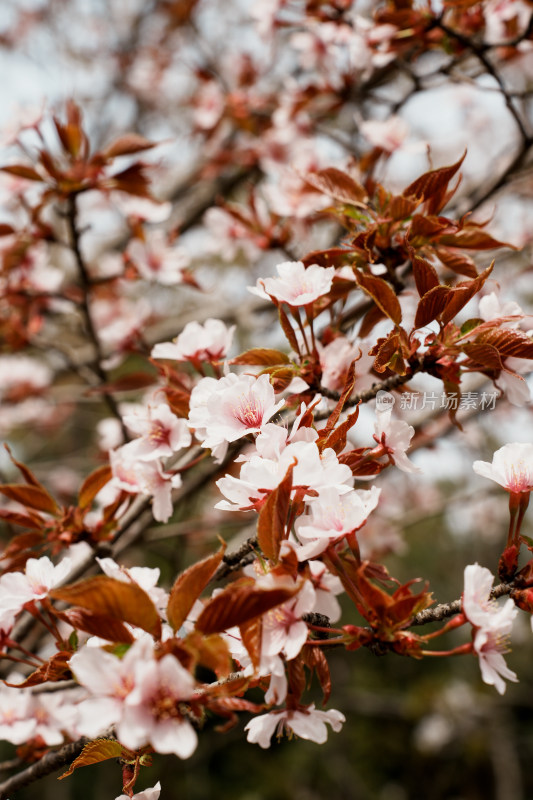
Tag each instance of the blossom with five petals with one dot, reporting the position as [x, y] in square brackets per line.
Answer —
[306, 722]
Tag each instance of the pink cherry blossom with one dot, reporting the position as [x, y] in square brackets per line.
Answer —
[161, 433]
[335, 360]
[511, 467]
[157, 261]
[490, 646]
[109, 681]
[16, 723]
[296, 285]
[326, 586]
[209, 341]
[492, 625]
[284, 631]
[38, 578]
[331, 517]
[396, 435]
[388, 134]
[225, 410]
[152, 714]
[258, 476]
[305, 722]
[147, 794]
[143, 477]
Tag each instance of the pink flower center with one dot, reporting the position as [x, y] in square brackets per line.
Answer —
[518, 479]
[159, 434]
[250, 412]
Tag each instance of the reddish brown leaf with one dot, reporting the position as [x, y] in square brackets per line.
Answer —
[55, 669]
[485, 356]
[30, 496]
[22, 171]
[431, 305]
[127, 144]
[509, 342]
[261, 356]
[251, 635]
[382, 294]
[370, 320]
[132, 181]
[460, 295]
[337, 411]
[96, 751]
[24, 520]
[239, 603]
[333, 257]
[273, 518]
[432, 182]
[189, 586]
[425, 274]
[211, 652]
[98, 625]
[92, 485]
[118, 600]
[472, 238]
[288, 330]
[456, 261]
[339, 185]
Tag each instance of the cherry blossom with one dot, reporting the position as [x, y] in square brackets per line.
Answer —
[296, 285]
[305, 722]
[109, 680]
[331, 517]
[209, 341]
[143, 477]
[335, 360]
[388, 134]
[16, 723]
[152, 714]
[283, 627]
[161, 432]
[258, 476]
[225, 410]
[492, 626]
[157, 261]
[511, 467]
[396, 436]
[326, 586]
[39, 577]
[147, 794]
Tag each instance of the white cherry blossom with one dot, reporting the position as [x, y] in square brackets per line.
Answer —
[492, 625]
[511, 467]
[396, 435]
[147, 794]
[296, 285]
[151, 713]
[332, 516]
[258, 476]
[161, 433]
[39, 577]
[143, 477]
[225, 410]
[306, 722]
[208, 341]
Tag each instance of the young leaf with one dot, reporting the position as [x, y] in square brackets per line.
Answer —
[339, 185]
[262, 356]
[272, 522]
[92, 485]
[127, 144]
[240, 603]
[118, 600]
[382, 294]
[94, 752]
[30, 496]
[189, 586]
